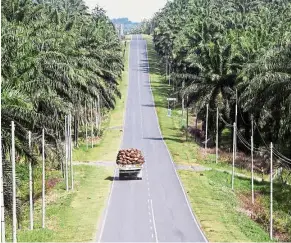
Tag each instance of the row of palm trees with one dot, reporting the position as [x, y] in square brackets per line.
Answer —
[56, 59]
[218, 47]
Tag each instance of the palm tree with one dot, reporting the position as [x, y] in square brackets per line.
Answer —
[56, 56]
[211, 44]
[267, 84]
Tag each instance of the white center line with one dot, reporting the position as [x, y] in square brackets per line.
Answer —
[150, 203]
[171, 158]
[155, 229]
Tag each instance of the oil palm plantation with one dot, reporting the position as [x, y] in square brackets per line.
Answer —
[217, 47]
[56, 56]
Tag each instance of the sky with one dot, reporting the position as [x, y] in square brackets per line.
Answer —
[134, 10]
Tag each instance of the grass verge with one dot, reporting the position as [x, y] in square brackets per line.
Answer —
[106, 148]
[223, 214]
[70, 216]
[218, 209]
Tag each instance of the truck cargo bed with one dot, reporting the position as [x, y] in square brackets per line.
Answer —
[130, 171]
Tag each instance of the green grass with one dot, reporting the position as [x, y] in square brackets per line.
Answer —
[214, 203]
[218, 208]
[70, 216]
[107, 148]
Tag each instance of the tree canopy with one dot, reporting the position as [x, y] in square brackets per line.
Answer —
[218, 47]
[56, 57]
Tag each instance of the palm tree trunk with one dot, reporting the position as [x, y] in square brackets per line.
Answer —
[76, 128]
[248, 129]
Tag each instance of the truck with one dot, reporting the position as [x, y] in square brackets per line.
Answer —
[134, 171]
[130, 163]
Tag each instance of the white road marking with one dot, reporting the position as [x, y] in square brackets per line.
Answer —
[171, 158]
[154, 224]
[151, 211]
[106, 211]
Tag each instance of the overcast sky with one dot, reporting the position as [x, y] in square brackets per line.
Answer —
[134, 10]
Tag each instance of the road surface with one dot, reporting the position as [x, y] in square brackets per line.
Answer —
[155, 208]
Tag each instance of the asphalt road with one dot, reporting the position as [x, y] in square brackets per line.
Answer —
[154, 208]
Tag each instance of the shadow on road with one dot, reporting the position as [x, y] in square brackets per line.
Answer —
[160, 138]
[156, 67]
[112, 178]
[149, 105]
[166, 138]
[116, 178]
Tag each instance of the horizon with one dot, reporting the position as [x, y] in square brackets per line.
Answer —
[115, 18]
[134, 10]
